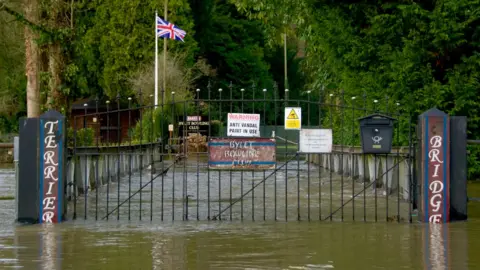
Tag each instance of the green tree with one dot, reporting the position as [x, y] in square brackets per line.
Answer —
[120, 38]
[87, 48]
[235, 47]
[12, 73]
[418, 54]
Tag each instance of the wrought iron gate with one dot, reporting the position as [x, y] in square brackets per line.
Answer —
[139, 161]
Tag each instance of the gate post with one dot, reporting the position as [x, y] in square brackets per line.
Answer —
[27, 186]
[441, 199]
[41, 176]
[458, 168]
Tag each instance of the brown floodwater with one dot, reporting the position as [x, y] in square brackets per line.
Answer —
[232, 245]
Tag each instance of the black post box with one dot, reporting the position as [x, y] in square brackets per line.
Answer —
[376, 133]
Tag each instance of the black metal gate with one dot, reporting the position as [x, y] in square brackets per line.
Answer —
[131, 160]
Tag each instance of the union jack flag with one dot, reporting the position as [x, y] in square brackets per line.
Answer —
[168, 30]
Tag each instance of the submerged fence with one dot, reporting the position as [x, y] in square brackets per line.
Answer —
[160, 163]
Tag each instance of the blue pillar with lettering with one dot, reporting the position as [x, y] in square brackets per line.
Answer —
[434, 176]
[51, 167]
[442, 170]
[41, 176]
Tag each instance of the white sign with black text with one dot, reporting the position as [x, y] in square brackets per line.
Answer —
[243, 125]
[316, 141]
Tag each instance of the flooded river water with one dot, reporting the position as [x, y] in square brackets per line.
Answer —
[232, 245]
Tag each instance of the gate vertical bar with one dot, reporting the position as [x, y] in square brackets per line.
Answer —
[185, 155]
[298, 171]
[174, 160]
[398, 161]
[129, 157]
[108, 156]
[253, 172]
[219, 172]
[119, 129]
[162, 154]
[97, 133]
[331, 160]
[198, 161]
[375, 170]
[275, 89]
[74, 160]
[320, 91]
[342, 93]
[386, 166]
[410, 156]
[230, 171]
[286, 161]
[364, 96]
[152, 162]
[140, 105]
[241, 172]
[353, 158]
[264, 126]
[308, 158]
[85, 184]
[209, 86]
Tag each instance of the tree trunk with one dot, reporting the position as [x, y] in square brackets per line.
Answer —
[32, 58]
[55, 99]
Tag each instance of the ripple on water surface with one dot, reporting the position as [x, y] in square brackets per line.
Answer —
[234, 245]
[247, 245]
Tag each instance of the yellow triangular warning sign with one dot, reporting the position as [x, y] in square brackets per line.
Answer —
[292, 115]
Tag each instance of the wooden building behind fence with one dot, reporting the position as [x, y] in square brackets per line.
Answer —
[105, 125]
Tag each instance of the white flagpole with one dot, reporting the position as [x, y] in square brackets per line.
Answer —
[156, 61]
[165, 14]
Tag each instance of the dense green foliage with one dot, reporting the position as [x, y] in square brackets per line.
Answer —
[116, 37]
[418, 54]
[109, 43]
[83, 137]
[421, 54]
[12, 70]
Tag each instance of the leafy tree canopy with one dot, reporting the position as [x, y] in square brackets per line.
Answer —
[117, 37]
[421, 54]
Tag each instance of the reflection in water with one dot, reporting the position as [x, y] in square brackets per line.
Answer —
[235, 245]
[48, 247]
[157, 250]
[447, 244]
[436, 247]
[168, 253]
[247, 245]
